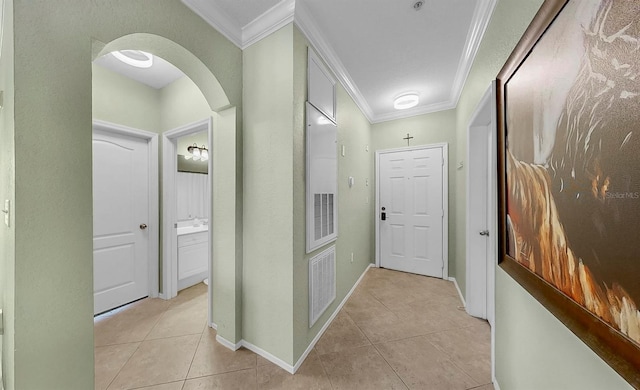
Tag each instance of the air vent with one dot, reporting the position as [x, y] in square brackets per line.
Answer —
[322, 215]
[322, 283]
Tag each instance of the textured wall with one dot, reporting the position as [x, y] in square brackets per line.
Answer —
[53, 241]
[118, 99]
[533, 349]
[268, 196]
[438, 127]
[355, 205]
[7, 191]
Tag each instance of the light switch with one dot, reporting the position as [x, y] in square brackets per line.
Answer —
[7, 212]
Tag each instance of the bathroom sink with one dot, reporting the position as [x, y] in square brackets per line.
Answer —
[192, 226]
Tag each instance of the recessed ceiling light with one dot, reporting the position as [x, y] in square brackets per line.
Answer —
[405, 101]
[137, 58]
[418, 5]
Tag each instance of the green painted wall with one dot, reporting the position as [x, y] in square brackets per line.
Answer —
[53, 333]
[268, 197]
[182, 103]
[355, 205]
[536, 351]
[118, 99]
[7, 191]
[533, 349]
[438, 127]
[275, 295]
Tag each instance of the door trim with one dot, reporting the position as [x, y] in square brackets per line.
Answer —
[445, 199]
[478, 280]
[487, 105]
[169, 235]
[154, 223]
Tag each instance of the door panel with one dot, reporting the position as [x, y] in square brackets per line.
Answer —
[120, 206]
[411, 188]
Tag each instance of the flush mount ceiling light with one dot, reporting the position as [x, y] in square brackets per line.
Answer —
[197, 153]
[137, 58]
[406, 100]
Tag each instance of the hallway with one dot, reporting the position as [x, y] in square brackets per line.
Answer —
[397, 331]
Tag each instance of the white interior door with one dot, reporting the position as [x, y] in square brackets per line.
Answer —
[477, 222]
[120, 216]
[410, 185]
[482, 209]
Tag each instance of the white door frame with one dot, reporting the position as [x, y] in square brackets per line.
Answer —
[445, 199]
[481, 277]
[153, 224]
[169, 199]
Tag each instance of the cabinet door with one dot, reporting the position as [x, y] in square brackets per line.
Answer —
[322, 87]
[192, 260]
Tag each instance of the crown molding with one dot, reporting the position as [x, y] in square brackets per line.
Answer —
[479, 22]
[287, 11]
[217, 18]
[309, 28]
[272, 20]
[419, 110]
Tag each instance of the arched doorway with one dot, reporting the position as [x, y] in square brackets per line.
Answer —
[223, 189]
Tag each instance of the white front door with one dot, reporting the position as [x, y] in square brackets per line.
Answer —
[120, 215]
[411, 211]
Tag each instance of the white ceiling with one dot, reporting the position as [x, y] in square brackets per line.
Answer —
[378, 49]
[158, 76]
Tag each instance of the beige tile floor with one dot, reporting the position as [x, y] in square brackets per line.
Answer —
[397, 331]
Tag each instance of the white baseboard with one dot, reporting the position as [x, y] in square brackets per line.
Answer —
[330, 320]
[279, 362]
[455, 283]
[272, 358]
[496, 386]
[229, 344]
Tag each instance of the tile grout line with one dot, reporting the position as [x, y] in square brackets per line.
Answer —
[374, 347]
[467, 374]
[451, 359]
[324, 369]
[134, 352]
[390, 366]
[194, 354]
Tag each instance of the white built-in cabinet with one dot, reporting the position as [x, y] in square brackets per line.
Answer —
[193, 256]
[322, 156]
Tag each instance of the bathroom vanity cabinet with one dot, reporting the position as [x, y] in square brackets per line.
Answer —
[192, 258]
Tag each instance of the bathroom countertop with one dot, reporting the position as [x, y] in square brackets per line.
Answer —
[192, 229]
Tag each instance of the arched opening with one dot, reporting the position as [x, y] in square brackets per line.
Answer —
[222, 117]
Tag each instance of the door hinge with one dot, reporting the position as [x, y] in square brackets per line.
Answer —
[442, 214]
[443, 161]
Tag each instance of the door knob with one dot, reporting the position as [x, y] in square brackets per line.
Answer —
[143, 226]
[484, 233]
[383, 215]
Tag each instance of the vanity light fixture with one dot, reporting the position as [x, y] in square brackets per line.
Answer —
[197, 153]
[137, 58]
[406, 100]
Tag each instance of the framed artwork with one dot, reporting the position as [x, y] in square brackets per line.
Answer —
[569, 171]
